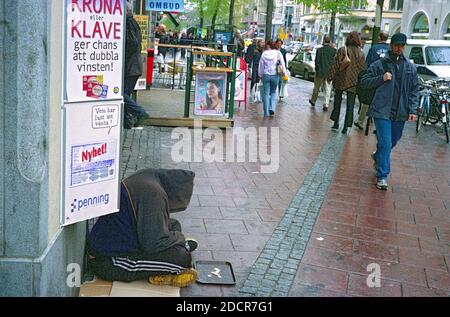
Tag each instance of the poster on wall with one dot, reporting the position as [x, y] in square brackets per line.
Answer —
[91, 160]
[142, 20]
[94, 34]
[210, 90]
[91, 108]
[222, 37]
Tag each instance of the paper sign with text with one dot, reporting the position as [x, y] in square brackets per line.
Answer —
[94, 45]
[91, 160]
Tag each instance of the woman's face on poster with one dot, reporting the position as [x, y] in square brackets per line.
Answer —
[212, 90]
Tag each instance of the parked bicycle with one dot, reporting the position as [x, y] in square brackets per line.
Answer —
[427, 112]
[443, 92]
[433, 104]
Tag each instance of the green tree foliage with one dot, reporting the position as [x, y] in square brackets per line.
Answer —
[333, 6]
[211, 12]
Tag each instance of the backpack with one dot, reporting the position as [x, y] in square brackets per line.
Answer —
[366, 95]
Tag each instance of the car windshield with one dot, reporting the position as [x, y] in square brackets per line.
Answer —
[438, 55]
[308, 57]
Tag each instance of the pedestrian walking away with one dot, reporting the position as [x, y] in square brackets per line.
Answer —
[377, 51]
[348, 63]
[271, 67]
[324, 59]
[395, 102]
[141, 241]
[279, 46]
[256, 57]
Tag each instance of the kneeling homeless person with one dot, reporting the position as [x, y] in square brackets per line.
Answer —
[141, 241]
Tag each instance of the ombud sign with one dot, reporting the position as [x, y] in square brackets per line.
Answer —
[165, 5]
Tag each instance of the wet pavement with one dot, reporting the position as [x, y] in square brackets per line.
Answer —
[312, 228]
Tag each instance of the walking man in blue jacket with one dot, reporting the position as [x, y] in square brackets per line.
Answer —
[395, 102]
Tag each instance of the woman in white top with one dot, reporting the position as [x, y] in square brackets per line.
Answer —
[271, 61]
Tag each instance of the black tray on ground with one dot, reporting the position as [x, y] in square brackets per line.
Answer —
[206, 270]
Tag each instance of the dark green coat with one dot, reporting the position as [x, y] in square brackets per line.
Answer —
[324, 59]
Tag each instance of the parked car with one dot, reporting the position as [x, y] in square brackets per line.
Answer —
[303, 64]
[432, 57]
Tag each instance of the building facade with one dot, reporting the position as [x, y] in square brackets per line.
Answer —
[285, 18]
[361, 18]
[425, 19]
[35, 251]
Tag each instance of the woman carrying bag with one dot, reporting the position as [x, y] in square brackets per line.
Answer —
[271, 67]
[256, 57]
[348, 63]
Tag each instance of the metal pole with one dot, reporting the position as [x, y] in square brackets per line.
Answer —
[378, 17]
[269, 20]
[233, 82]
[187, 96]
[174, 66]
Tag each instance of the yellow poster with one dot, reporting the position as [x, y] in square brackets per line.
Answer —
[142, 20]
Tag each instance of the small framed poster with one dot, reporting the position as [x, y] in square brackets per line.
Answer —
[210, 94]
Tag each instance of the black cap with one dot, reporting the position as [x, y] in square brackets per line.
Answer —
[399, 39]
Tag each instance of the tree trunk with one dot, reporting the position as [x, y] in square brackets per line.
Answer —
[333, 27]
[213, 21]
[201, 14]
[378, 17]
[269, 20]
[231, 16]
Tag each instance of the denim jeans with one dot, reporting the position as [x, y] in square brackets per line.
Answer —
[388, 134]
[132, 107]
[270, 84]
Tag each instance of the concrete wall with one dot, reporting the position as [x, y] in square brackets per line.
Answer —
[34, 251]
[438, 13]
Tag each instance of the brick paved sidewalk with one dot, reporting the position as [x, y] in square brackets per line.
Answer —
[405, 230]
[265, 224]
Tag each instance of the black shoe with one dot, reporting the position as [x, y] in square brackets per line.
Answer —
[358, 125]
[271, 112]
[344, 130]
[312, 103]
[335, 126]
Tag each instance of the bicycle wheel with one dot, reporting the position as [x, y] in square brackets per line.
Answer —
[445, 123]
[420, 113]
[446, 131]
[434, 114]
[418, 123]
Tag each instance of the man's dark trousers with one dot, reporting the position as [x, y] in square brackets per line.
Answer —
[388, 134]
[130, 83]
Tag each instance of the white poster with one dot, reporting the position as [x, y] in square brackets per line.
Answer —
[91, 160]
[94, 46]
